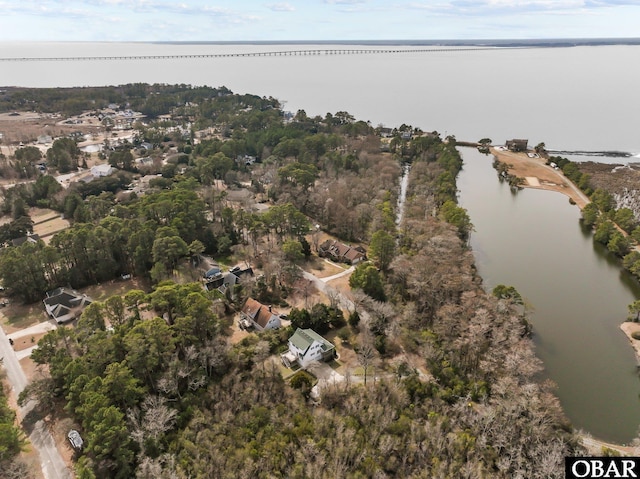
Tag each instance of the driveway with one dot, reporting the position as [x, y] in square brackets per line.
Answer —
[321, 285]
[53, 466]
[339, 275]
[326, 375]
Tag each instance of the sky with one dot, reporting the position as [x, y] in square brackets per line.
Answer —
[290, 20]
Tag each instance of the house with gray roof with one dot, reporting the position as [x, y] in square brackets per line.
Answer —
[307, 346]
[223, 282]
[29, 238]
[65, 304]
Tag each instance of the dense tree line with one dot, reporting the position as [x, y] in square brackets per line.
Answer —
[129, 385]
[12, 441]
[149, 234]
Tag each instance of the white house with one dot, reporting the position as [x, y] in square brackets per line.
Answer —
[259, 316]
[65, 304]
[307, 346]
[105, 169]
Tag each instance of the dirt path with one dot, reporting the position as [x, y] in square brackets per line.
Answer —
[538, 175]
[595, 447]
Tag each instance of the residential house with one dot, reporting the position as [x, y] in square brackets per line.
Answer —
[385, 132]
[223, 282]
[44, 139]
[29, 238]
[259, 316]
[64, 304]
[517, 145]
[246, 160]
[341, 252]
[307, 346]
[146, 161]
[214, 272]
[105, 169]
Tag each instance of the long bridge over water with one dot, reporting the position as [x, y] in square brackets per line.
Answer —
[282, 53]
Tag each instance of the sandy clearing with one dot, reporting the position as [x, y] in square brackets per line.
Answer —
[548, 178]
[532, 181]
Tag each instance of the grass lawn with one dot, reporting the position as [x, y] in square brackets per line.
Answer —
[286, 372]
[321, 268]
[19, 316]
[101, 292]
[26, 342]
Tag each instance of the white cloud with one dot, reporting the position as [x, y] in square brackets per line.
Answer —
[281, 7]
[344, 2]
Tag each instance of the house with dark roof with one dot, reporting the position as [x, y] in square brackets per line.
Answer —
[65, 304]
[259, 316]
[222, 282]
[341, 252]
[307, 346]
[517, 144]
[29, 238]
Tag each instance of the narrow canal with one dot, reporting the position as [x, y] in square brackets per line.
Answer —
[578, 295]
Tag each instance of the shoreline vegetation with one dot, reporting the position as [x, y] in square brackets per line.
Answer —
[538, 175]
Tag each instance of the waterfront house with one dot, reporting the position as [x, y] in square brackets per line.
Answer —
[517, 145]
[307, 346]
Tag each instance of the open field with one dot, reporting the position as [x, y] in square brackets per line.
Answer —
[25, 127]
[47, 222]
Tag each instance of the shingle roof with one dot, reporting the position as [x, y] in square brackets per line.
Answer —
[304, 338]
[61, 301]
[258, 312]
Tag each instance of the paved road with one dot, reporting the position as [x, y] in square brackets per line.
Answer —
[53, 466]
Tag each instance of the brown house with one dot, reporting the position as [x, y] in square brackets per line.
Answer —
[259, 316]
[341, 252]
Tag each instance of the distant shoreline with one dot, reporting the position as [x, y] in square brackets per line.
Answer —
[541, 42]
